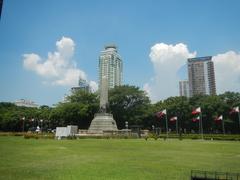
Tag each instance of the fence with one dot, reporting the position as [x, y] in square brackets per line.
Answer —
[207, 175]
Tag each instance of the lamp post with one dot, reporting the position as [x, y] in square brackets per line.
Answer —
[201, 125]
[41, 124]
[153, 128]
[33, 124]
[126, 125]
[23, 118]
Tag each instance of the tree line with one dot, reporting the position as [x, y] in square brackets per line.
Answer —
[127, 104]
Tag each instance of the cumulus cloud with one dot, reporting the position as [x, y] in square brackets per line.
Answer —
[227, 71]
[93, 85]
[58, 68]
[166, 60]
[169, 60]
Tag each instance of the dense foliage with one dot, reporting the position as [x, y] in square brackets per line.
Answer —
[126, 103]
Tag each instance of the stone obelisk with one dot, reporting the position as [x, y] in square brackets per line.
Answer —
[103, 121]
[104, 95]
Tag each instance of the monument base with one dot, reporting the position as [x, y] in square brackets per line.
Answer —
[102, 122]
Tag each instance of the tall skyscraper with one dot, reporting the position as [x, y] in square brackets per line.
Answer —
[110, 66]
[201, 76]
[184, 88]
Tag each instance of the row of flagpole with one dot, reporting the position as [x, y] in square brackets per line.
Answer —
[198, 112]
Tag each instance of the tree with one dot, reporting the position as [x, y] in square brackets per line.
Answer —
[11, 117]
[79, 109]
[176, 106]
[83, 97]
[71, 114]
[128, 103]
[231, 98]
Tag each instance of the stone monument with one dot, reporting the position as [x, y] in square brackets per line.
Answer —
[103, 121]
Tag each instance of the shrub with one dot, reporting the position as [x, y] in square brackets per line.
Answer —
[152, 135]
[38, 136]
[71, 137]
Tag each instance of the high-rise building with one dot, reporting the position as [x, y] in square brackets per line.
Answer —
[184, 88]
[201, 76]
[110, 65]
[82, 85]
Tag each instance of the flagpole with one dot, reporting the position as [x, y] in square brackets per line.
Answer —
[239, 118]
[166, 124]
[223, 128]
[177, 126]
[201, 125]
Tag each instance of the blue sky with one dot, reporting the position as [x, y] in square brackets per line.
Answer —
[204, 27]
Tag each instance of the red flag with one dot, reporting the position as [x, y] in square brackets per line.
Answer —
[161, 113]
[173, 119]
[234, 110]
[196, 111]
[219, 118]
[195, 119]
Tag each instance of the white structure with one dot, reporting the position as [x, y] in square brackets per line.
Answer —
[26, 103]
[201, 76]
[110, 65]
[38, 129]
[184, 88]
[66, 131]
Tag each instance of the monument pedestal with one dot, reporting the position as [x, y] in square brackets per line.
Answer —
[102, 122]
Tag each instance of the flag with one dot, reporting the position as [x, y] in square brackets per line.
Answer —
[161, 113]
[219, 118]
[172, 119]
[196, 111]
[234, 110]
[196, 119]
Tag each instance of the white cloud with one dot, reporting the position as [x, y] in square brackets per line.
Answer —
[166, 60]
[93, 85]
[59, 68]
[227, 71]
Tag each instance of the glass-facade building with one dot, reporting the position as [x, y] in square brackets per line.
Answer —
[201, 76]
[110, 65]
[82, 85]
[184, 88]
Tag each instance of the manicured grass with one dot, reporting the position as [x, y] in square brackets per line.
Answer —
[114, 158]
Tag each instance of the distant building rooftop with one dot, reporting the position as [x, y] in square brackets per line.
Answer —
[110, 46]
[206, 58]
[25, 103]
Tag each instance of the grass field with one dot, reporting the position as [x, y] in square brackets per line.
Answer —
[114, 158]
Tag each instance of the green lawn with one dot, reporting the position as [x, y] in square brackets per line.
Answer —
[114, 158]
